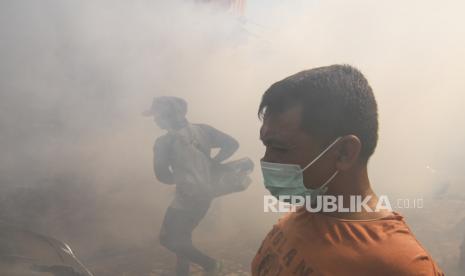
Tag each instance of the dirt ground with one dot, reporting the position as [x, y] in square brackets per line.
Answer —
[157, 261]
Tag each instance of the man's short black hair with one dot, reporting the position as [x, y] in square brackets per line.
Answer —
[336, 100]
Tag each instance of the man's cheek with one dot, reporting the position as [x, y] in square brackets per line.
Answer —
[279, 157]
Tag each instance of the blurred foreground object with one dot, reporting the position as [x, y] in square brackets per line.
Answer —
[25, 253]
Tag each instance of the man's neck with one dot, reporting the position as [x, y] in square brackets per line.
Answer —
[178, 126]
[357, 184]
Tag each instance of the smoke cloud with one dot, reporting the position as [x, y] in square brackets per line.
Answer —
[76, 154]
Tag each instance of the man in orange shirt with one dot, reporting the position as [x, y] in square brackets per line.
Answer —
[320, 127]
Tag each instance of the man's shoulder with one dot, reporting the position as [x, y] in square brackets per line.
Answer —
[163, 141]
[284, 222]
[204, 133]
[395, 262]
[203, 127]
[399, 252]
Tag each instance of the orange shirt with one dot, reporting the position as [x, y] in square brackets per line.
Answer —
[304, 243]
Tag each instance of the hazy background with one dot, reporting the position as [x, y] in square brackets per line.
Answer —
[76, 154]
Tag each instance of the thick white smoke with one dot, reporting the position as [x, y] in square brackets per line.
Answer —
[75, 77]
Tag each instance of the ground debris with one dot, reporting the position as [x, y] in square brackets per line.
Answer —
[157, 261]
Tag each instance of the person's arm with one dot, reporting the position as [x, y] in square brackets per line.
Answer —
[161, 164]
[227, 144]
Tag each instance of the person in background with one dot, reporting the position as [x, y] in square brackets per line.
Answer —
[320, 127]
[182, 157]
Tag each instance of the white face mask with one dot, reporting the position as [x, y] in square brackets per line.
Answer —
[288, 180]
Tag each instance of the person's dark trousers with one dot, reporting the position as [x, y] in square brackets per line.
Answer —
[176, 235]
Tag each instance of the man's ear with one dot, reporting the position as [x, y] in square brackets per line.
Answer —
[349, 148]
